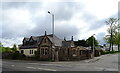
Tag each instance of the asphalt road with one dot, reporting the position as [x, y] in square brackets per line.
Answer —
[102, 63]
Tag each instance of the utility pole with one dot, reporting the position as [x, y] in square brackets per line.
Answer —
[93, 46]
[53, 48]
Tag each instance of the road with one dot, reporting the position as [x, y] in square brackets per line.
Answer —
[103, 63]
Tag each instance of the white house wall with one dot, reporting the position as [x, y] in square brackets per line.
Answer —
[27, 52]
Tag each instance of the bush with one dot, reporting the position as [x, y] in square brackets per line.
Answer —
[37, 55]
[18, 56]
[13, 55]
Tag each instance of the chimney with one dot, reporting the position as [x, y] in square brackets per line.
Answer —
[64, 39]
[45, 33]
[72, 38]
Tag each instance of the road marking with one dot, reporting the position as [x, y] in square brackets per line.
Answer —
[32, 63]
[41, 68]
[12, 65]
[99, 68]
[51, 64]
[47, 69]
[111, 69]
[106, 69]
[31, 67]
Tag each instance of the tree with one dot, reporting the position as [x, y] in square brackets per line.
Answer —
[81, 43]
[37, 54]
[4, 49]
[117, 37]
[90, 41]
[112, 32]
[0, 47]
[14, 48]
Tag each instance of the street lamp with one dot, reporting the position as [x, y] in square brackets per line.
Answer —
[93, 45]
[53, 50]
[52, 22]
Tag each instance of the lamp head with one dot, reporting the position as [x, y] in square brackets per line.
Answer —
[49, 12]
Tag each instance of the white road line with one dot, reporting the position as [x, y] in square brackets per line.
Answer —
[51, 64]
[32, 63]
[106, 69]
[41, 68]
[111, 69]
[31, 67]
[100, 68]
[12, 65]
[47, 69]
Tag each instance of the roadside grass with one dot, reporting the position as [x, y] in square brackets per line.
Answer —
[110, 52]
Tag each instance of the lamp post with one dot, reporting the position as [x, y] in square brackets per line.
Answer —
[53, 48]
[52, 22]
[93, 46]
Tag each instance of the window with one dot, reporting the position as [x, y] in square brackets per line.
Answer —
[30, 51]
[22, 51]
[41, 51]
[74, 51]
[80, 52]
[44, 51]
[35, 52]
[72, 45]
[84, 52]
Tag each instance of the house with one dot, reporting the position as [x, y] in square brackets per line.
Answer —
[50, 47]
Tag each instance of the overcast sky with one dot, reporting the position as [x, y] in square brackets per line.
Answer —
[79, 19]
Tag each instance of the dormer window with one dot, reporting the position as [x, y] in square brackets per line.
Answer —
[72, 44]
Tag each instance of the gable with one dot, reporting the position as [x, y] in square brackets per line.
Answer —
[25, 40]
[45, 41]
[72, 44]
[31, 39]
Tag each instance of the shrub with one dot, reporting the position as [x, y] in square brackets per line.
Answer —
[13, 55]
[18, 56]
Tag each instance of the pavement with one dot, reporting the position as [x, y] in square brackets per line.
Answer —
[102, 63]
[92, 60]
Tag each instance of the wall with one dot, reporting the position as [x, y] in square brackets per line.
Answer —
[27, 52]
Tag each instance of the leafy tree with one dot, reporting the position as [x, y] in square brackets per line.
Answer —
[14, 48]
[111, 30]
[0, 47]
[7, 49]
[81, 43]
[37, 54]
[4, 49]
[117, 39]
[113, 37]
[90, 41]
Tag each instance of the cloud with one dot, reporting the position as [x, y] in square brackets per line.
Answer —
[66, 10]
[16, 22]
[69, 31]
[78, 19]
[11, 42]
[100, 38]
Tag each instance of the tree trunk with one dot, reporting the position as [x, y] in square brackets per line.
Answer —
[118, 47]
[112, 46]
[112, 39]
